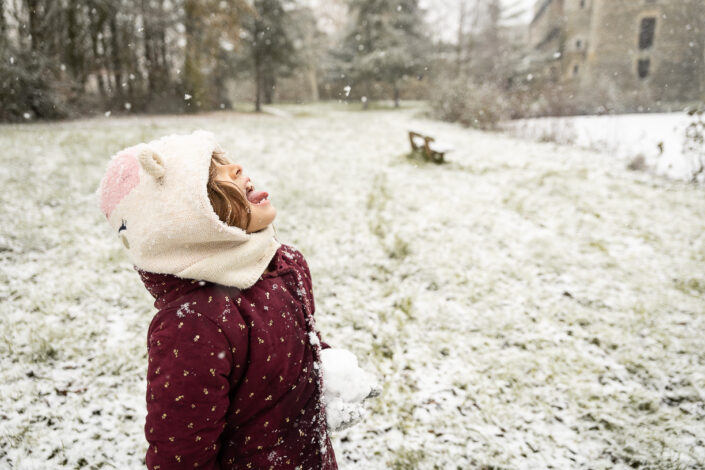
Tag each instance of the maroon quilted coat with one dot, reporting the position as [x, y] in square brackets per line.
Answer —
[233, 379]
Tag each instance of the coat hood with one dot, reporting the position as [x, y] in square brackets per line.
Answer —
[155, 197]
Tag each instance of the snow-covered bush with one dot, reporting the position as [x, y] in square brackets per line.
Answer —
[481, 106]
[694, 141]
[26, 91]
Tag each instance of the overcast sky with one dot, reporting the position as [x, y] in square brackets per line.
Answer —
[442, 14]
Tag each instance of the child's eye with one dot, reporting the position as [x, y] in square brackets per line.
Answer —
[122, 236]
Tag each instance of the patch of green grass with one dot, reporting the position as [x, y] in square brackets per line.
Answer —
[600, 246]
[690, 286]
[382, 351]
[417, 157]
[399, 249]
[42, 348]
[407, 459]
[378, 223]
[378, 105]
[406, 305]
[377, 227]
[379, 196]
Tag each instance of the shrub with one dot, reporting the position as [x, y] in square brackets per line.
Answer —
[25, 89]
[481, 106]
[694, 141]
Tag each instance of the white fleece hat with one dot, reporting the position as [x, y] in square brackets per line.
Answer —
[155, 197]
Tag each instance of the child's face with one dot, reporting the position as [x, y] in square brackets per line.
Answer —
[262, 212]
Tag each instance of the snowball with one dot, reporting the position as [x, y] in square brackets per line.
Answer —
[345, 387]
[342, 377]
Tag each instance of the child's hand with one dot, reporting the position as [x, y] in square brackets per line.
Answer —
[341, 415]
[345, 386]
[375, 391]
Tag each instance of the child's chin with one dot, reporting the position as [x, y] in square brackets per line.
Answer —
[262, 223]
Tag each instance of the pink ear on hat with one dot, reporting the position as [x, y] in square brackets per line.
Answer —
[122, 175]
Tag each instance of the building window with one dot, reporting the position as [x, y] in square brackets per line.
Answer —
[643, 67]
[553, 74]
[582, 3]
[576, 69]
[578, 43]
[646, 32]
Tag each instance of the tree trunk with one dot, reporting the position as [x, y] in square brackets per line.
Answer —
[107, 65]
[129, 61]
[268, 84]
[75, 58]
[34, 24]
[258, 85]
[161, 48]
[461, 34]
[313, 83]
[3, 26]
[194, 80]
[396, 94]
[115, 54]
[149, 58]
[366, 98]
[98, 61]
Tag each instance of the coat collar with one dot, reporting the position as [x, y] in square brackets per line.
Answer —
[168, 288]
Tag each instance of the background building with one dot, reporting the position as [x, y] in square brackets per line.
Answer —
[633, 55]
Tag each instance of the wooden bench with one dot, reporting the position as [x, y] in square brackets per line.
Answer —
[431, 150]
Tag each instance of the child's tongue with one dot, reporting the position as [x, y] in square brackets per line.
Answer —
[255, 197]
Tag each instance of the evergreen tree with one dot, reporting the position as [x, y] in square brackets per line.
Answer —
[386, 42]
[267, 43]
[207, 24]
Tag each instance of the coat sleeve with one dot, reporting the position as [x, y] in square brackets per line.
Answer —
[190, 360]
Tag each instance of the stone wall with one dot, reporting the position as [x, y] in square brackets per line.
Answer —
[672, 64]
[601, 59]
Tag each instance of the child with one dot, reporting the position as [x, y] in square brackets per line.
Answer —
[234, 376]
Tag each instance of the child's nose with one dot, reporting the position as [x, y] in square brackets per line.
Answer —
[235, 170]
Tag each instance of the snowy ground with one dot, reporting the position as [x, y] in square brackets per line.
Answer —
[658, 138]
[527, 305]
